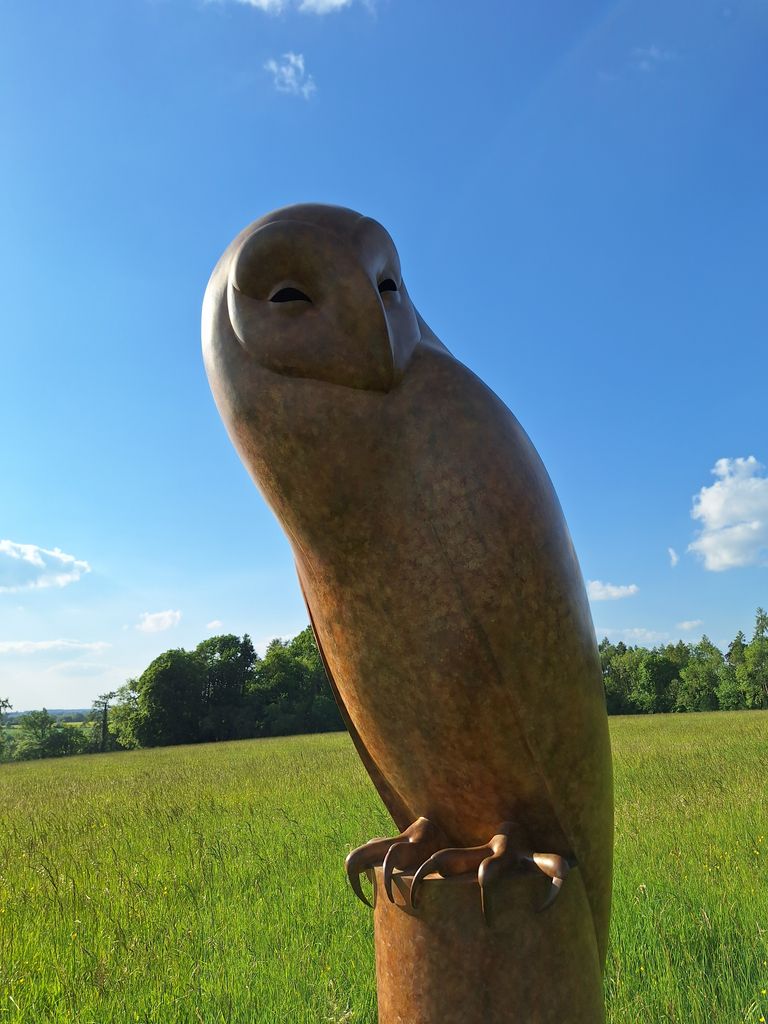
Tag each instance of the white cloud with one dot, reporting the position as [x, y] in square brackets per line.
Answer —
[260, 646]
[648, 58]
[270, 6]
[733, 512]
[38, 646]
[78, 669]
[30, 567]
[214, 624]
[289, 75]
[674, 558]
[635, 635]
[305, 6]
[158, 622]
[323, 6]
[599, 591]
[689, 624]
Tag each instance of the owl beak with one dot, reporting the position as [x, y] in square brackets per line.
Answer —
[384, 371]
[403, 335]
[400, 356]
[400, 352]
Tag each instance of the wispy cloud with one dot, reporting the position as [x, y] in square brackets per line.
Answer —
[260, 646]
[30, 567]
[635, 635]
[674, 558]
[733, 512]
[648, 58]
[688, 624]
[303, 6]
[79, 668]
[270, 6]
[40, 646]
[158, 622]
[599, 591]
[642, 59]
[214, 624]
[289, 75]
[323, 6]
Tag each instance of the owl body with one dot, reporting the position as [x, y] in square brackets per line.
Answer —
[442, 585]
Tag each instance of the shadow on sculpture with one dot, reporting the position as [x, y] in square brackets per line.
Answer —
[450, 612]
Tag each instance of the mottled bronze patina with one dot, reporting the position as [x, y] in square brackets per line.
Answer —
[440, 578]
[441, 964]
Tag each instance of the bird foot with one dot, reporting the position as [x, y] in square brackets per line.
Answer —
[491, 861]
[408, 850]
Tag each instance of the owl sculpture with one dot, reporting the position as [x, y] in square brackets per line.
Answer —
[436, 565]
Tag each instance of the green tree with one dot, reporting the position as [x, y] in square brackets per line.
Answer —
[229, 664]
[752, 672]
[6, 744]
[292, 690]
[730, 692]
[124, 716]
[35, 734]
[700, 678]
[627, 668]
[40, 735]
[736, 648]
[169, 700]
[286, 689]
[656, 683]
[614, 680]
[102, 739]
[324, 715]
[679, 654]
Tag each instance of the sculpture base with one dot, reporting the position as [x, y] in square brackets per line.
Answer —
[441, 964]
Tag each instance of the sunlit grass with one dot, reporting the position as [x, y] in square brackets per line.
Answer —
[690, 921]
[205, 884]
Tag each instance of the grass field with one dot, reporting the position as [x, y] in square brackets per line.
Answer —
[204, 884]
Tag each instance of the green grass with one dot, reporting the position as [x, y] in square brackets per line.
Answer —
[205, 884]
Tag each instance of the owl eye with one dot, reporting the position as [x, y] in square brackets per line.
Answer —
[289, 295]
[388, 285]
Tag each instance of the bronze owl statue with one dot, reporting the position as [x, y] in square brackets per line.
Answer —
[440, 578]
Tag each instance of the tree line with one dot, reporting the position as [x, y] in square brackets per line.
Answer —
[688, 677]
[223, 690]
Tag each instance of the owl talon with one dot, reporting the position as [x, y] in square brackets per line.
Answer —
[359, 860]
[449, 862]
[490, 862]
[499, 860]
[354, 881]
[401, 855]
[404, 851]
[556, 868]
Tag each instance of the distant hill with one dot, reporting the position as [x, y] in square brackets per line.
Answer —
[10, 716]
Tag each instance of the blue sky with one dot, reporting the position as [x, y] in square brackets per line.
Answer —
[577, 192]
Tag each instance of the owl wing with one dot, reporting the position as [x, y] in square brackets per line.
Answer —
[396, 807]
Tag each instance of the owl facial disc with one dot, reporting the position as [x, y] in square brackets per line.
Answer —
[316, 292]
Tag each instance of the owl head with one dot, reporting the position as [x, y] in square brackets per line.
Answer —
[315, 292]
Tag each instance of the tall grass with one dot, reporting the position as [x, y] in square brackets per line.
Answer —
[689, 938]
[204, 884]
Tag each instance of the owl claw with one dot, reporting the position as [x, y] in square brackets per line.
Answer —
[360, 860]
[354, 881]
[403, 851]
[499, 860]
[448, 862]
[554, 892]
[402, 855]
[490, 862]
[556, 868]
